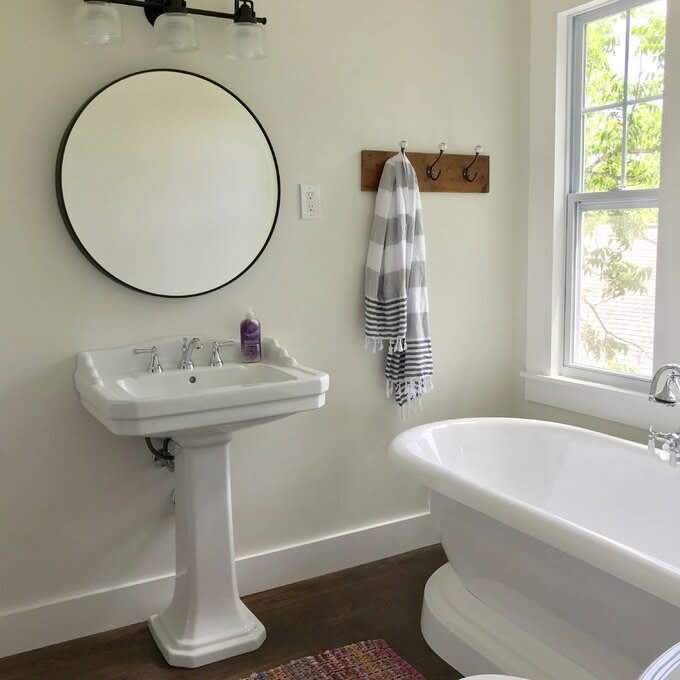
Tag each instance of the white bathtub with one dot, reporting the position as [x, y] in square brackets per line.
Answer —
[563, 548]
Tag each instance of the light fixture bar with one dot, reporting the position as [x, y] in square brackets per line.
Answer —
[160, 6]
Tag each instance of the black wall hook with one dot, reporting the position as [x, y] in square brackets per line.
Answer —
[466, 170]
[430, 168]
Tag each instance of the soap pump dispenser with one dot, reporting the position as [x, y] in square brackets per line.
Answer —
[251, 339]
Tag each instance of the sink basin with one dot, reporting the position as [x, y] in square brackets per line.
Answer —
[176, 383]
[199, 410]
[116, 388]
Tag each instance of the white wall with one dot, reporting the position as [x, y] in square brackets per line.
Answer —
[81, 509]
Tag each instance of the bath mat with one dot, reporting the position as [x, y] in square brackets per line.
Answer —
[368, 660]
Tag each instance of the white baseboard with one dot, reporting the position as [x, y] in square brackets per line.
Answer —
[52, 622]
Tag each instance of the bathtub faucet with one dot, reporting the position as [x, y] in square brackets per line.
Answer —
[670, 446]
[667, 396]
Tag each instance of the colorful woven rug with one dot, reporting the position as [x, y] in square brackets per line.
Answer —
[369, 660]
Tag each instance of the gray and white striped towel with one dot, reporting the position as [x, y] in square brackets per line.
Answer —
[665, 666]
[395, 298]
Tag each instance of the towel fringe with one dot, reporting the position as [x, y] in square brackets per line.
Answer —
[373, 345]
[411, 391]
[410, 407]
[397, 345]
[394, 345]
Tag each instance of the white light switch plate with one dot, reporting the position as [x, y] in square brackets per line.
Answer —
[310, 201]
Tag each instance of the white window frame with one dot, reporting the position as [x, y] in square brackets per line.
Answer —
[579, 201]
[545, 381]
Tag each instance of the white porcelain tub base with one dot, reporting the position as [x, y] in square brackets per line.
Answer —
[206, 621]
[474, 639]
[561, 565]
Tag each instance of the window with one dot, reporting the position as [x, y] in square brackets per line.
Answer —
[617, 88]
[602, 304]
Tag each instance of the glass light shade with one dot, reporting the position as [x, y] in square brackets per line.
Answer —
[175, 32]
[97, 23]
[245, 40]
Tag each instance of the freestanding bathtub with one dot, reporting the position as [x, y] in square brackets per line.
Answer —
[563, 548]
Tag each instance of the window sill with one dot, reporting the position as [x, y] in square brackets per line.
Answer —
[599, 401]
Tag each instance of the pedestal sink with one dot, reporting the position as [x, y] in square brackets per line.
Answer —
[199, 410]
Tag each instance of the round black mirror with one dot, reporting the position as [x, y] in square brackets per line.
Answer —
[168, 183]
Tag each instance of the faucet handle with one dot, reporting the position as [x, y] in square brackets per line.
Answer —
[155, 363]
[651, 441]
[669, 452]
[667, 394]
[215, 358]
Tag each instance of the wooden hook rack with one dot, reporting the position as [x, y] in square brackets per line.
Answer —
[452, 168]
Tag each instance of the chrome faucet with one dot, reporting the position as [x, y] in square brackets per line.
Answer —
[670, 446]
[188, 346]
[666, 396]
[155, 362]
[215, 357]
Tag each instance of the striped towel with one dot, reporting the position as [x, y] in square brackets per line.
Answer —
[664, 666]
[395, 302]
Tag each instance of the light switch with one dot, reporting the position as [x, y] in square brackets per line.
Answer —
[310, 201]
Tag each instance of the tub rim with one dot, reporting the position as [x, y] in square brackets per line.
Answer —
[651, 574]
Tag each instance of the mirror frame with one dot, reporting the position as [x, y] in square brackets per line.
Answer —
[64, 211]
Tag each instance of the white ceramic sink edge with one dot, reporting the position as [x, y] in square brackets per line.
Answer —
[116, 388]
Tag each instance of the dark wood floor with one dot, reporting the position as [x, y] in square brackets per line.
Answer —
[378, 600]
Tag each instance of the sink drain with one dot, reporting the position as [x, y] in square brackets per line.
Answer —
[193, 379]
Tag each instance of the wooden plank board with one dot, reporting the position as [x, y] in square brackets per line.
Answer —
[301, 619]
[451, 165]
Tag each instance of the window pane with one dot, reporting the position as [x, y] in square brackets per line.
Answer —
[603, 148]
[605, 60]
[643, 160]
[647, 50]
[615, 284]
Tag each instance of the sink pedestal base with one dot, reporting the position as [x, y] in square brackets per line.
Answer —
[206, 620]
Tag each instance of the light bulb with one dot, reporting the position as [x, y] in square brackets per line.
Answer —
[245, 40]
[97, 23]
[175, 32]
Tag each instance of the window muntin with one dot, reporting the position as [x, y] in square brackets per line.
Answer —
[617, 106]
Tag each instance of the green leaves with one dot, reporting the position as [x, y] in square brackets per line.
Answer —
[612, 269]
[605, 60]
[603, 139]
[643, 161]
[621, 149]
[648, 50]
[604, 348]
[619, 276]
[605, 85]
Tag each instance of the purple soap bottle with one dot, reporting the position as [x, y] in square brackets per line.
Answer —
[251, 339]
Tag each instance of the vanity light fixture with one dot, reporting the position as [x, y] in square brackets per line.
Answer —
[98, 23]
